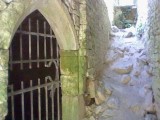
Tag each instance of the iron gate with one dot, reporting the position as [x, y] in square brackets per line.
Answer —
[34, 87]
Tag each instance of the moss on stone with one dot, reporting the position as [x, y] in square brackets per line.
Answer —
[2, 5]
[68, 53]
[69, 85]
[4, 59]
[70, 108]
[82, 74]
[69, 65]
[3, 93]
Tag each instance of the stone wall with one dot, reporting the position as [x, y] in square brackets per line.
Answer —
[73, 9]
[152, 36]
[97, 32]
[94, 34]
[82, 31]
[63, 24]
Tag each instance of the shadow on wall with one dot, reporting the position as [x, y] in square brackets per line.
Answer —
[97, 41]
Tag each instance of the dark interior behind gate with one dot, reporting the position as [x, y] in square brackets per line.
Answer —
[34, 88]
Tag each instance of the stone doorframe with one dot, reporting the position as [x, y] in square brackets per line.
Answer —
[59, 19]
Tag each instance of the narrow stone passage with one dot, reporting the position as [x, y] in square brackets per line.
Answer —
[126, 81]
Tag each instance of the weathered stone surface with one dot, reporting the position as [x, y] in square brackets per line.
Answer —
[7, 1]
[100, 96]
[151, 32]
[150, 117]
[98, 110]
[125, 79]
[2, 5]
[92, 118]
[108, 114]
[137, 73]
[113, 103]
[70, 108]
[128, 35]
[123, 68]
[113, 55]
[69, 85]
[3, 93]
[135, 108]
[4, 59]
[143, 60]
[149, 106]
[98, 29]
[91, 87]
[115, 29]
[67, 60]
[108, 90]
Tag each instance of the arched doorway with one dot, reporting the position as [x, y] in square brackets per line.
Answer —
[34, 91]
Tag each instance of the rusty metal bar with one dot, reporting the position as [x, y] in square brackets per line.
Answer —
[33, 88]
[52, 85]
[45, 49]
[31, 99]
[57, 75]
[10, 57]
[51, 44]
[57, 50]
[46, 97]
[37, 44]
[58, 107]
[39, 100]
[12, 102]
[27, 61]
[22, 101]
[34, 33]
[52, 99]
[30, 45]
[21, 50]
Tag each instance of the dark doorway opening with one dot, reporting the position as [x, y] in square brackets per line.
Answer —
[34, 91]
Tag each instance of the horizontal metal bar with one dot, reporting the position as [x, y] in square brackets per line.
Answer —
[27, 61]
[35, 33]
[34, 88]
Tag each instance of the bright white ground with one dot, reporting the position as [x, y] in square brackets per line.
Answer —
[127, 79]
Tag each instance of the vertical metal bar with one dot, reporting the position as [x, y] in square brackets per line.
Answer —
[31, 99]
[30, 50]
[57, 50]
[51, 43]
[10, 57]
[46, 97]
[12, 102]
[58, 107]
[52, 98]
[45, 51]
[57, 55]
[39, 100]
[37, 44]
[21, 50]
[22, 101]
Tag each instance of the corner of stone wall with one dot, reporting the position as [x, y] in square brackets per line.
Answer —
[96, 28]
[152, 35]
[7, 10]
[72, 78]
[73, 62]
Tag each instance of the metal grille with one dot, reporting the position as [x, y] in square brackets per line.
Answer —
[34, 88]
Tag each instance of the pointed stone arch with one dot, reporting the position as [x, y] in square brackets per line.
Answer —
[12, 16]
[53, 10]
